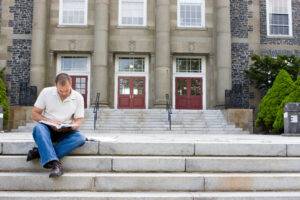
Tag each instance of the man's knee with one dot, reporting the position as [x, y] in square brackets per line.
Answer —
[39, 130]
[80, 139]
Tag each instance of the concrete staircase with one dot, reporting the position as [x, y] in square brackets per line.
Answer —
[141, 166]
[155, 121]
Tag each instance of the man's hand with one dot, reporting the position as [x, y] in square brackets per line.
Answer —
[76, 123]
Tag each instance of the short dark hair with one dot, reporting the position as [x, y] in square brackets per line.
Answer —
[62, 79]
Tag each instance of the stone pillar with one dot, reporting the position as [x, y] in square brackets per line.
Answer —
[100, 62]
[162, 51]
[38, 49]
[223, 47]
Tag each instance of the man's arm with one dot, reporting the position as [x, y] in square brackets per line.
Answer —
[37, 116]
[76, 123]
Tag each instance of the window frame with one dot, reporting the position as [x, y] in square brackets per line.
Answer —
[132, 25]
[290, 15]
[71, 24]
[202, 16]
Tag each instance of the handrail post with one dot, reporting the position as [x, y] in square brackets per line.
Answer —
[169, 110]
[96, 109]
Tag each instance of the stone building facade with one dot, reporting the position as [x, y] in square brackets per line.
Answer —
[136, 52]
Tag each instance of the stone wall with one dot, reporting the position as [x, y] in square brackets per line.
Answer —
[20, 50]
[238, 97]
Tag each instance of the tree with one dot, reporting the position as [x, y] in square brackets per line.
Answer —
[3, 97]
[294, 96]
[270, 103]
[264, 69]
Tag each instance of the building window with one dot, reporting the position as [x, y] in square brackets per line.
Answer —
[191, 13]
[74, 63]
[135, 64]
[279, 17]
[188, 65]
[132, 12]
[73, 12]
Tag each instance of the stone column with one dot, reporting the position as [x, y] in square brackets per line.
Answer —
[162, 51]
[223, 48]
[38, 49]
[100, 62]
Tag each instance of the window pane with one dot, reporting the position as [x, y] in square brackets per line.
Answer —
[73, 11]
[132, 12]
[188, 65]
[279, 17]
[131, 64]
[70, 63]
[182, 87]
[138, 87]
[196, 87]
[124, 86]
[190, 13]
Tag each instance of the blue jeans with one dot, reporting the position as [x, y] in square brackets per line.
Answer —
[53, 145]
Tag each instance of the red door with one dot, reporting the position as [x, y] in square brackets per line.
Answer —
[79, 83]
[131, 92]
[188, 93]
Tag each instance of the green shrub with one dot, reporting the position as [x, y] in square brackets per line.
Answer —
[294, 96]
[3, 98]
[270, 104]
[264, 69]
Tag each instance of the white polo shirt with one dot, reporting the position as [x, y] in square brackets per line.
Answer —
[56, 109]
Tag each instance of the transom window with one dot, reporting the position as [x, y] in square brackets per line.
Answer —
[191, 13]
[279, 17]
[188, 65]
[73, 12]
[132, 12]
[127, 64]
[74, 63]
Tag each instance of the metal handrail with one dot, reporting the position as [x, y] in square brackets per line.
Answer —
[169, 110]
[96, 109]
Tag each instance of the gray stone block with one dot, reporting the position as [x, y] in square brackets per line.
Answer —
[146, 148]
[89, 148]
[252, 182]
[293, 149]
[149, 182]
[240, 149]
[41, 182]
[158, 164]
[17, 147]
[70, 163]
[242, 164]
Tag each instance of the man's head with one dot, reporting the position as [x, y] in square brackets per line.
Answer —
[63, 84]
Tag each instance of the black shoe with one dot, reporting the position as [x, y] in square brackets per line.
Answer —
[33, 154]
[56, 170]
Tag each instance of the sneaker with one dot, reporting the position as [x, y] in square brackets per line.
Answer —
[33, 154]
[56, 170]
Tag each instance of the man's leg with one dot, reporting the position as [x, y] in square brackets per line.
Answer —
[42, 136]
[68, 142]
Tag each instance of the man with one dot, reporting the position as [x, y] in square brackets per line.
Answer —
[57, 105]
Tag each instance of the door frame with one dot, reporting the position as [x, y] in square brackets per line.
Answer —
[77, 73]
[131, 74]
[189, 75]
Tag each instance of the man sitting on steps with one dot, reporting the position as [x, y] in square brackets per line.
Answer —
[57, 105]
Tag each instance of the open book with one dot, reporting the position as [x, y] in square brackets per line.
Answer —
[60, 126]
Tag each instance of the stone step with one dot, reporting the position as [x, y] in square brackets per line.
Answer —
[163, 145]
[158, 164]
[76, 195]
[163, 182]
